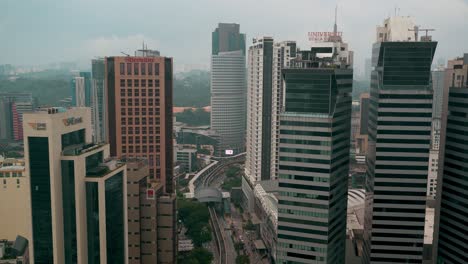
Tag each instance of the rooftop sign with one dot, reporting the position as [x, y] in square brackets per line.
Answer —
[139, 59]
[72, 121]
[323, 36]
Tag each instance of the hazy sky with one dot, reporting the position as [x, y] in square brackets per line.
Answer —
[44, 31]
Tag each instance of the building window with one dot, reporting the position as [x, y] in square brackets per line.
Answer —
[143, 83]
[136, 83]
[122, 102]
[156, 68]
[136, 69]
[150, 83]
[122, 68]
[143, 69]
[157, 83]
[122, 82]
[129, 83]
[136, 92]
[150, 69]
[129, 69]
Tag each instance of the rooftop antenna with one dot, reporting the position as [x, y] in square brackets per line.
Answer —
[335, 27]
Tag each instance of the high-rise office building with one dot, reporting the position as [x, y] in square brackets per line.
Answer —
[12, 108]
[314, 151]
[98, 101]
[78, 92]
[438, 83]
[399, 142]
[259, 110]
[362, 138]
[77, 193]
[139, 118]
[228, 88]
[139, 108]
[266, 59]
[452, 208]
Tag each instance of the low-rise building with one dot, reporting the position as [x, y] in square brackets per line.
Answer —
[14, 252]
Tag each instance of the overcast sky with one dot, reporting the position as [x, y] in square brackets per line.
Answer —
[45, 31]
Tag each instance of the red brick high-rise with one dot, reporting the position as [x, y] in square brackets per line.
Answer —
[139, 114]
[139, 108]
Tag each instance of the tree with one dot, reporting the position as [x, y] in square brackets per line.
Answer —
[195, 217]
[196, 256]
[242, 259]
[199, 117]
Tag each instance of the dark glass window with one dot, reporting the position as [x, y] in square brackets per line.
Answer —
[73, 138]
[143, 69]
[92, 220]
[41, 199]
[136, 68]
[156, 68]
[115, 219]
[150, 69]
[122, 68]
[129, 69]
[69, 211]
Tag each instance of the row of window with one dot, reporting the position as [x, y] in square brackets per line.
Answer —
[136, 102]
[136, 83]
[136, 121]
[10, 174]
[140, 149]
[136, 92]
[143, 139]
[136, 111]
[144, 130]
[139, 68]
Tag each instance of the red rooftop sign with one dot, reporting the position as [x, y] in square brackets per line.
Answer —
[323, 36]
[138, 59]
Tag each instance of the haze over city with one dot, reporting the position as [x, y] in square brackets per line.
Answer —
[234, 132]
[48, 31]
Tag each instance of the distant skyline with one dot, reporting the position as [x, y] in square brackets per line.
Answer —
[49, 31]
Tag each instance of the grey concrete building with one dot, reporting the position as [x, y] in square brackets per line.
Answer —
[228, 88]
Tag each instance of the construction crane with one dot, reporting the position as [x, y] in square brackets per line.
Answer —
[416, 30]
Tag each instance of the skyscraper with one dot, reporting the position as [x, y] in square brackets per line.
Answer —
[452, 207]
[139, 116]
[399, 142]
[266, 59]
[99, 100]
[12, 108]
[78, 194]
[228, 88]
[314, 150]
[139, 108]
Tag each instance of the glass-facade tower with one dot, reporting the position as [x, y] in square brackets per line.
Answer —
[398, 157]
[314, 145]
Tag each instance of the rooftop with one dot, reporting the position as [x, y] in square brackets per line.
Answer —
[76, 150]
[12, 168]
